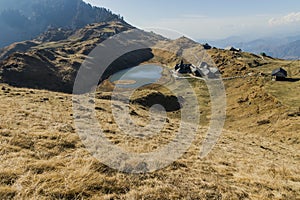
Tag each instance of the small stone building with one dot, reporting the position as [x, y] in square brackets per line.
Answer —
[279, 74]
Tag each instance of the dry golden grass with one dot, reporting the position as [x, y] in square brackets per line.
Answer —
[43, 158]
[257, 156]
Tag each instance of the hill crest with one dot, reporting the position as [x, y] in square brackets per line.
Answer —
[25, 20]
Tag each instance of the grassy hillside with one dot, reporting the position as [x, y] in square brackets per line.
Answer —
[29, 64]
[257, 156]
[42, 156]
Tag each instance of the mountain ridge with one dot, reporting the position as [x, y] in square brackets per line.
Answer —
[21, 63]
[53, 65]
[280, 47]
[27, 19]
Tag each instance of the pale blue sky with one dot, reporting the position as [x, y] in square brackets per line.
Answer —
[211, 19]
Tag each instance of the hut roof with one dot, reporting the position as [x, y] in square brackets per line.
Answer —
[279, 72]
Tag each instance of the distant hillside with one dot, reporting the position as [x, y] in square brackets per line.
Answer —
[285, 48]
[50, 63]
[26, 19]
[52, 60]
[288, 51]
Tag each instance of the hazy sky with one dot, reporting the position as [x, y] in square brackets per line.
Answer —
[211, 19]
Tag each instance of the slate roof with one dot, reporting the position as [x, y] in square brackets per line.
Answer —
[279, 72]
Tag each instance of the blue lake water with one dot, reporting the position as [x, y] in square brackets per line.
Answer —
[138, 76]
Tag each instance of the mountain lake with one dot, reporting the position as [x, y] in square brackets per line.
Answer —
[138, 76]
